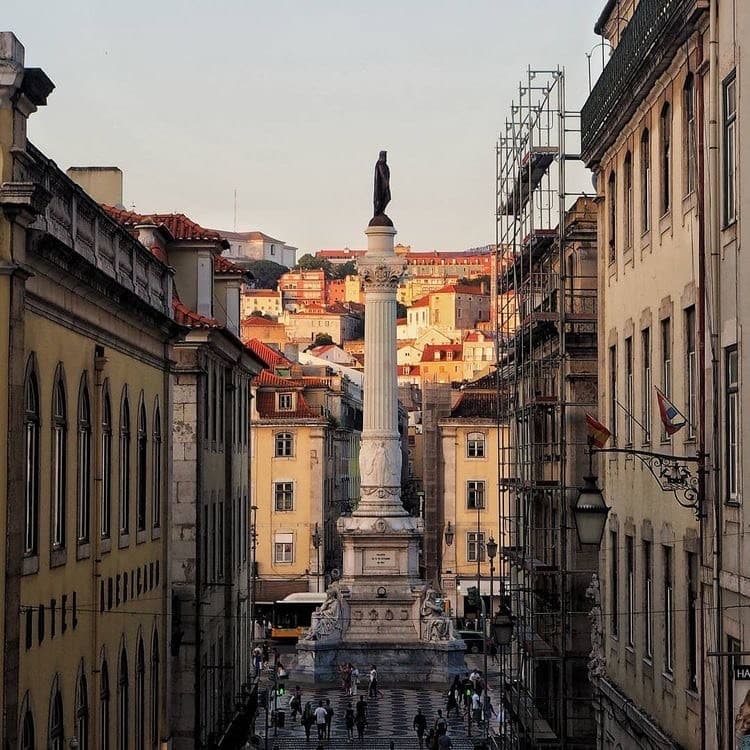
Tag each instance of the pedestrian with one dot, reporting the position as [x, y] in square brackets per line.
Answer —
[361, 717]
[355, 679]
[329, 718]
[444, 742]
[346, 678]
[488, 710]
[276, 656]
[430, 739]
[466, 692]
[373, 691]
[349, 721]
[493, 652]
[308, 719]
[257, 660]
[295, 703]
[441, 724]
[452, 701]
[474, 677]
[476, 708]
[265, 651]
[420, 724]
[320, 720]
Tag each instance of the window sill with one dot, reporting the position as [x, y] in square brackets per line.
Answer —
[30, 565]
[105, 545]
[665, 222]
[692, 700]
[83, 550]
[58, 556]
[667, 681]
[156, 532]
[123, 540]
[140, 537]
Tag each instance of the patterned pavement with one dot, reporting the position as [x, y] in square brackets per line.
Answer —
[390, 717]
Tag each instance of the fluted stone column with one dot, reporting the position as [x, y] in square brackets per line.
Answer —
[380, 454]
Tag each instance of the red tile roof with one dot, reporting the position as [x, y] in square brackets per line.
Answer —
[184, 316]
[459, 289]
[428, 355]
[224, 265]
[261, 293]
[270, 357]
[266, 406]
[178, 225]
[477, 336]
[257, 320]
[476, 405]
[421, 302]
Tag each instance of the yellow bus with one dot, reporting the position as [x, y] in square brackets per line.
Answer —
[292, 614]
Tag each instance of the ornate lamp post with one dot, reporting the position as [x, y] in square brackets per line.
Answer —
[492, 553]
[590, 512]
[317, 540]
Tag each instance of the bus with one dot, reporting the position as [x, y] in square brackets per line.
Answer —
[292, 615]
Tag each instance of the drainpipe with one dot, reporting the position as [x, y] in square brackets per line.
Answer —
[715, 312]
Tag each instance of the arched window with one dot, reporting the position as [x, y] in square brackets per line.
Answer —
[106, 488]
[612, 217]
[125, 464]
[123, 703]
[156, 470]
[665, 150]
[628, 199]
[59, 460]
[645, 181]
[31, 479]
[140, 697]
[475, 445]
[155, 692]
[56, 724]
[141, 468]
[28, 735]
[82, 713]
[104, 707]
[83, 482]
[689, 143]
[284, 444]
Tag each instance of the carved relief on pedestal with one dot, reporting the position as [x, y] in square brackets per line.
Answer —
[380, 467]
[383, 272]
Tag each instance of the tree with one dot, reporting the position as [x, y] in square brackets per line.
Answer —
[309, 262]
[342, 270]
[321, 339]
[401, 310]
[266, 273]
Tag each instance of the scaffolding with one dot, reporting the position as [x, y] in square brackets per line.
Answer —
[545, 302]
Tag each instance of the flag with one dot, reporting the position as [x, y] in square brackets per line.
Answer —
[598, 433]
[672, 418]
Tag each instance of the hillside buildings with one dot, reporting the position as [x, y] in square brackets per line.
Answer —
[245, 247]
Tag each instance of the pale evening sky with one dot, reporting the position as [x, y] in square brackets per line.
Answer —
[289, 102]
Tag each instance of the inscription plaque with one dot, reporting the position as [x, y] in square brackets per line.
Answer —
[378, 561]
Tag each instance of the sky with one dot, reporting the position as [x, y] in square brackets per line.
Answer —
[288, 102]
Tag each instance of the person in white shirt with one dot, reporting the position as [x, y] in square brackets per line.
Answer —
[373, 692]
[320, 720]
[355, 678]
[476, 707]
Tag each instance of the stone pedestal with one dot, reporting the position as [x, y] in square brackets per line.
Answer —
[384, 607]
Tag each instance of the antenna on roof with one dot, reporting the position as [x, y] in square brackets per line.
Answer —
[235, 209]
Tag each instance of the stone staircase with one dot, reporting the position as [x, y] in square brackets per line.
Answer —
[370, 743]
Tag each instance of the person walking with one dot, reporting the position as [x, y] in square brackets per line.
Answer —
[454, 694]
[373, 691]
[355, 679]
[308, 719]
[349, 721]
[329, 718]
[420, 724]
[361, 720]
[493, 652]
[466, 692]
[320, 720]
[441, 724]
[476, 708]
[257, 660]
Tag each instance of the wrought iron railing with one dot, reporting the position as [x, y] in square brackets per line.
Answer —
[644, 40]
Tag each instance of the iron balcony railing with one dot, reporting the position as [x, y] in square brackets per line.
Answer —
[645, 49]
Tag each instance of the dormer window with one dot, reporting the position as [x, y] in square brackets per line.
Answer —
[286, 401]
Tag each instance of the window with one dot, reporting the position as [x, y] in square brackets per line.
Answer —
[206, 543]
[31, 479]
[692, 620]
[156, 471]
[629, 406]
[284, 495]
[155, 690]
[82, 713]
[691, 371]
[612, 214]
[214, 402]
[56, 725]
[475, 495]
[730, 148]
[59, 461]
[220, 543]
[665, 165]
[123, 704]
[475, 445]
[689, 142]
[668, 610]
[285, 402]
[648, 600]
[83, 480]
[645, 181]
[142, 453]
[106, 488]
[614, 593]
[125, 465]
[28, 735]
[666, 365]
[732, 424]
[140, 698]
[283, 548]
[284, 444]
[104, 707]
[613, 392]
[475, 549]
[628, 198]
[214, 546]
[630, 583]
[646, 390]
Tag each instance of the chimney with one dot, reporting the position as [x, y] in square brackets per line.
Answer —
[103, 184]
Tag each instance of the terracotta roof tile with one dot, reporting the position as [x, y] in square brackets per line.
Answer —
[224, 265]
[421, 302]
[187, 317]
[428, 354]
[270, 357]
[266, 406]
[476, 404]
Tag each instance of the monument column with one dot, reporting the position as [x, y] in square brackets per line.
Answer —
[380, 455]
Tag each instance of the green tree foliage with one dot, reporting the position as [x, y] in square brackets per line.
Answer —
[322, 339]
[309, 262]
[345, 269]
[266, 273]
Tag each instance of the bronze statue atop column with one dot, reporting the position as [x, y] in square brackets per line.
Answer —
[382, 192]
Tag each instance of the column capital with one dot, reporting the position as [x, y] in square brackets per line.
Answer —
[381, 272]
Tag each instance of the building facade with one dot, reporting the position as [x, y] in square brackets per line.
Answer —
[249, 246]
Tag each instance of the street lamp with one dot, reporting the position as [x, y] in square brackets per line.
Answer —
[317, 540]
[449, 534]
[590, 512]
[491, 553]
[502, 628]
